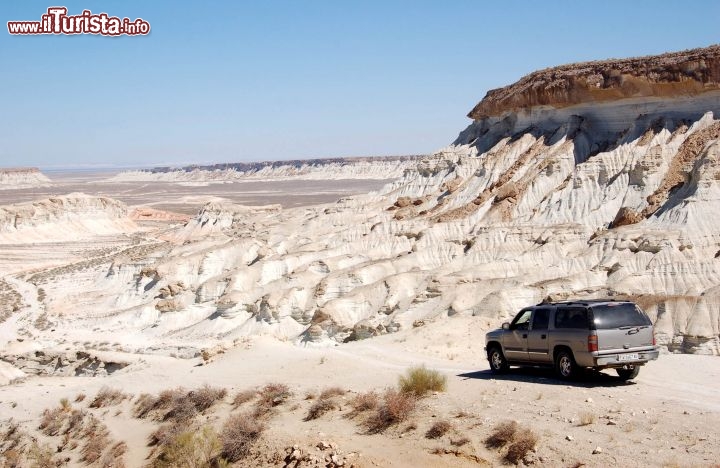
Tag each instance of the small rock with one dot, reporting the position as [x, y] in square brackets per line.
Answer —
[611, 423]
[597, 451]
[589, 400]
[569, 437]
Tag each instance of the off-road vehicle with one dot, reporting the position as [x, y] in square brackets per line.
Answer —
[572, 335]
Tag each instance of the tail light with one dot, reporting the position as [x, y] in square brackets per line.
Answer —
[654, 342]
[592, 343]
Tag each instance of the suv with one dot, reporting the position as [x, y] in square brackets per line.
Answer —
[571, 335]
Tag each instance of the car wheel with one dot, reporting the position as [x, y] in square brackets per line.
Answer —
[565, 365]
[627, 374]
[498, 363]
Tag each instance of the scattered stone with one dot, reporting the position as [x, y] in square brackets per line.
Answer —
[597, 450]
[569, 438]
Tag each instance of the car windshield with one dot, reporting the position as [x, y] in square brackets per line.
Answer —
[618, 315]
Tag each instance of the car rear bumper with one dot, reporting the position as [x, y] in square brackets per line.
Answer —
[621, 359]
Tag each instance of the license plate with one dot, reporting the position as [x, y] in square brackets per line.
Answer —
[628, 357]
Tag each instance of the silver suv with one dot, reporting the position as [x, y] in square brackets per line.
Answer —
[571, 335]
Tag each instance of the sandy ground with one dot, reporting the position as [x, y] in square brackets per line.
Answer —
[189, 199]
[667, 417]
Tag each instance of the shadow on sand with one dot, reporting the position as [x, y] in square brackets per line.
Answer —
[546, 376]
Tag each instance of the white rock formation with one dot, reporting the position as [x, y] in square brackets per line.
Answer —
[63, 218]
[23, 178]
[618, 198]
[379, 168]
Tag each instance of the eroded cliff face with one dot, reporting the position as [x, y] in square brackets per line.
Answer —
[611, 199]
[22, 178]
[63, 218]
[671, 75]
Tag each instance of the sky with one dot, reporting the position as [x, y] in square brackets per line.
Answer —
[227, 81]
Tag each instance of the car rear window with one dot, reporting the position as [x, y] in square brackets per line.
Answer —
[618, 315]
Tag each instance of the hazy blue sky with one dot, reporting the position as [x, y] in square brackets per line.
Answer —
[220, 81]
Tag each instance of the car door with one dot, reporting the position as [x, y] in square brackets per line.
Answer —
[515, 339]
[537, 341]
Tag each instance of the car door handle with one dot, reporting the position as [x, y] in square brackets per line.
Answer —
[524, 335]
[542, 337]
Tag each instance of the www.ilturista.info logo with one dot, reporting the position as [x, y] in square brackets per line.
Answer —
[57, 21]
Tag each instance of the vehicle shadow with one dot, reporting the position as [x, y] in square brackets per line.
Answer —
[546, 376]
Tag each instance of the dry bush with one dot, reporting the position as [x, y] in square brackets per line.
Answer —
[107, 397]
[191, 449]
[243, 397]
[274, 394]
[502, 435]
[75, 422]
[206, 396]
[270, 396]
[12, 459]
[332, 392]
[183, 409]
[396, 407]
[524, 442]
[587, 418]
[42, 457]
[96, 441]
[167, 432]
[459, 442]
[320, 407]
[177, 404]
[439, 429]
[364, 402]
[79, 397]
[12, 443]
[51, 421]
[419, 381]
[239, 434]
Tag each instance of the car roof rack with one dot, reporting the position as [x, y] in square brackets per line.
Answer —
[584, 302]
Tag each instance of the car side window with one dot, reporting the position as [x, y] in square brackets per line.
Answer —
[571, 317]
[521, 321]
[541, 318]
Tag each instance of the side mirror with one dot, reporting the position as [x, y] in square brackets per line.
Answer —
[506, 326]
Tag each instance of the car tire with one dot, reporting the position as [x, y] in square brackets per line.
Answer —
[627, 374]
[496, 358]
[565, 366]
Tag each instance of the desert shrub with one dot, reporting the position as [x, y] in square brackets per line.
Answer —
[396, 407]
[270, 396]
[182, 409]
[587, 418]
[177, 404]
[107, 397]
[524, 441]
[459, 442]
[206, 396]
[11, 440]
[42, 456]
[191, 449]
[239, 434]
[364, 402]
[502, 434]
[144, 404]
[65, 405]
[244, 396]
[331, 392]
[439, 429]
[420, 380]
[96, 441]
[75, 422]
[320, 407]
[12, 459]
[51, 421]
[274, 394]
[79, 397]
[167, 432]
